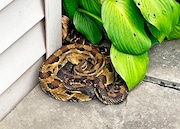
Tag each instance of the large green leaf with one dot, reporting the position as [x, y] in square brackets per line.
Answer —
[93, 6]
[125, 26]
[70, 7]
[163, 14]
[132, 68]
[85, 25]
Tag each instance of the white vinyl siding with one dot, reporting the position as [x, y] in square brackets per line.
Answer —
[16, 55]
[4, 3]
[30, 30]
[21, 55]
[17, 18]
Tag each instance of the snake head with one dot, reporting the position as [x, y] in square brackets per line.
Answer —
[88, 90]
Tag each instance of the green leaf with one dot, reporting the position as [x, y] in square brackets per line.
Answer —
[163, 14]
[153, 39]
[132, 68]
[95, 18]
[93, 6]
[176, 31]
[85, 25]
[156, 33]
[70, 7]
[175, 34]
[125, 26]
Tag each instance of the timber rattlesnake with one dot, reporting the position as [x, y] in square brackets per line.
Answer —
[79, 71]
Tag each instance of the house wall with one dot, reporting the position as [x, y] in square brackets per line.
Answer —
[30, 31]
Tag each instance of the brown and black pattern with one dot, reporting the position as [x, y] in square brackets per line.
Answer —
[80, 71]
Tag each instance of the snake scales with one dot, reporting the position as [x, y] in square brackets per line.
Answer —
[79, 71]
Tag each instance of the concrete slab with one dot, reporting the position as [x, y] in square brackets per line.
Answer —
[148, 107]
[165, 61]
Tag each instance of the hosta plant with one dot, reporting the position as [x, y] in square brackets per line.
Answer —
[132, 26]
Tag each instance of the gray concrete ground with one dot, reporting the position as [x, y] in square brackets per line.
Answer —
[149, 106]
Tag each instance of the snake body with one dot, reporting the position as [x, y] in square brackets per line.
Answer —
[79, 72]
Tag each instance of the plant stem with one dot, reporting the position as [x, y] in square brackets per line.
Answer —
[90, 14]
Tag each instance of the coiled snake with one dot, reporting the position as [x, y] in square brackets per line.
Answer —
[81, 71]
